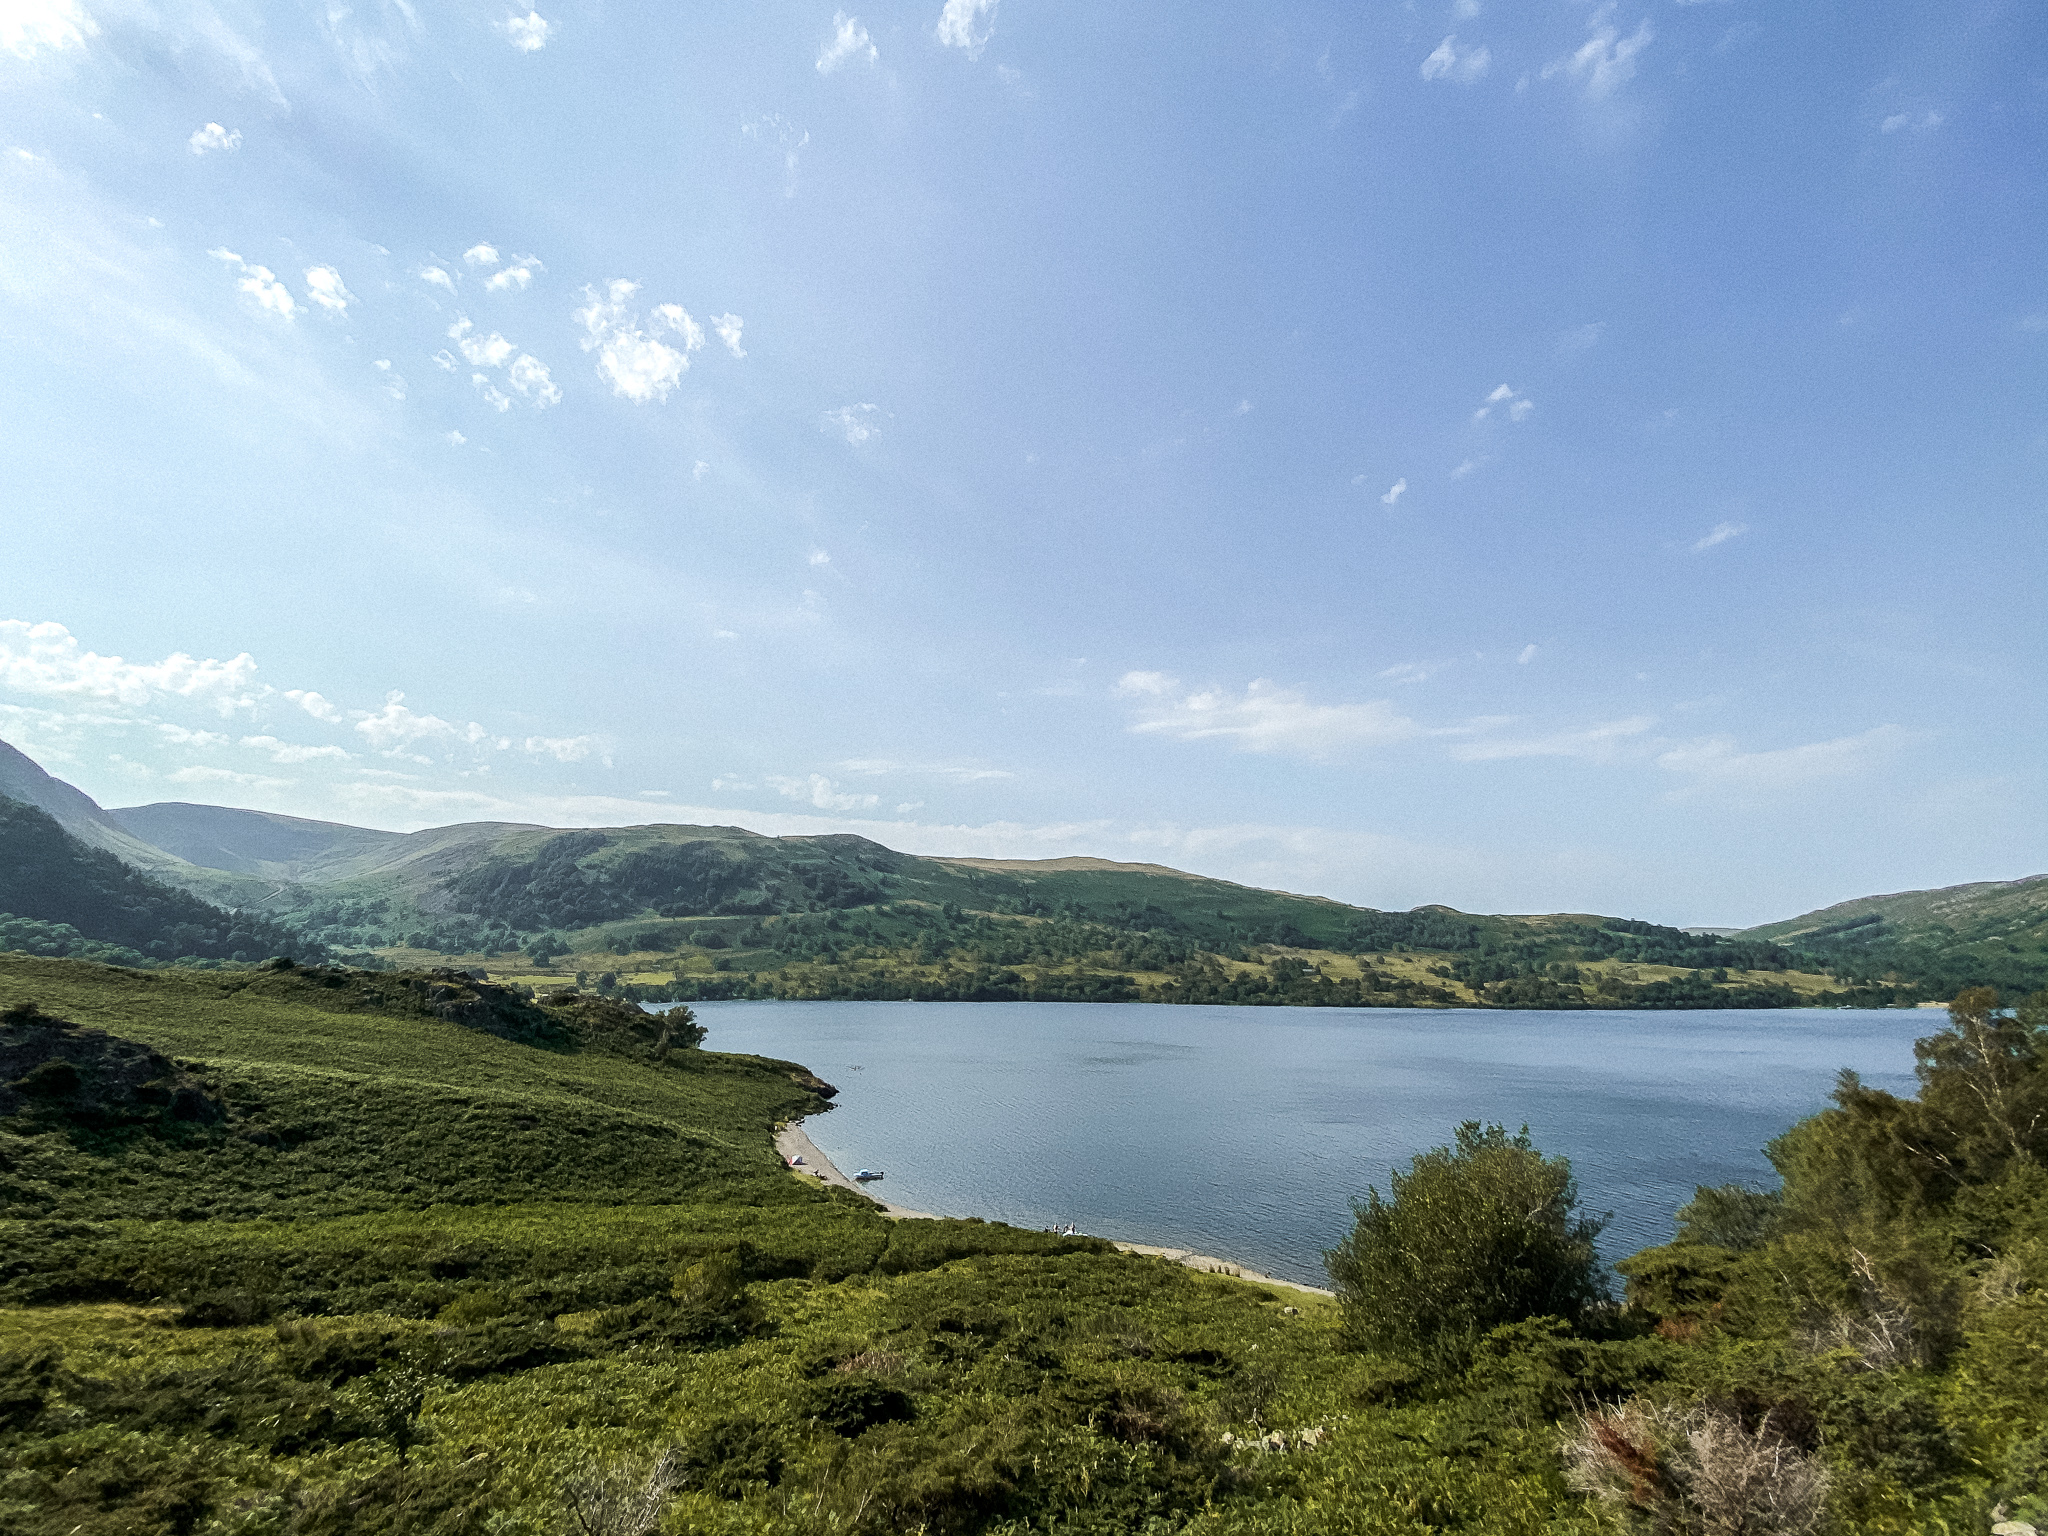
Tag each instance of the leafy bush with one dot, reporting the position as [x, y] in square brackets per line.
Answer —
[1474, 1235]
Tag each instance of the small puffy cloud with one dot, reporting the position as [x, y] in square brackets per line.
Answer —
[1263, 718]
[1395, 492]
[394, 728]
[1516, 405]
[1716, 763]
[212, 137]
[515, 274]
[850, 44]
[46, 658]
[325, 288]
[855, 423]
[456, 439]
[967, 24]
[822, 793]
[291, 752]
[1918, 122]
[727, 329]
[27, 27]
[260, 283]
[638, 363]
[1720, 533]
[313, 704]
[437, 277]
[482, 254]
[819, 557]
[482, 351]
[563, 749]
[528, 33]
[1607, 60]
[1463, 65]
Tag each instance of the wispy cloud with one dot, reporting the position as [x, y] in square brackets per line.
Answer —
[1917, 122]
[1599, 743]
[1607, 60]
[631, 355]
[567, 749]
[849, 44]
[822, 793]
[1450, 62]
[1395, 492]
[1505, 398]
[1720, 533]
[1265, 717]
[1582, 338]
[727, 329]
[855, 423]
[289, 752]
[1717, 763]
[212, 137]
[437, 277]
[516, 273]
[967, 24]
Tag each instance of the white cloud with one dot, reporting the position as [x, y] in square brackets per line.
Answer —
[1464, 469]
[313, 704]
[198, 775]
[850, 44]
[482, 351]
[822, 793]
[437, 277]
[1918, 122]
[855, 423]
[1720, 533]
[494, 397]
[325, 288]
[1450, 62]
[1607, 60]
[291, 752]
[819, 557]
[728, 330]
[395, 727]
[179, 736]
[1714, 762]
[529, 376]
[515, 274]
[27, 27]
[456, 439]
[967, 24]
[394, 382]
[1528, 654]
[700, 469]
[1601, 743]
[445, 359]
[482, 254]
[528, 33]
[260, 283]
[1395, 492]
[951, 772]
[1264, 718]
[565, 749]
[637, 363]
[1517, 405]
[47, 659]
[210, 137]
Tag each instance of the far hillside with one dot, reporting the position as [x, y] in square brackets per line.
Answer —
[1994, 933]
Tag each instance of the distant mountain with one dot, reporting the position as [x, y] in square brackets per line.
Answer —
[24, 780]
[1993, 933]
[60, 896]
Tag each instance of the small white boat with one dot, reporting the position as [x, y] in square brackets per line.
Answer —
[866, 1175]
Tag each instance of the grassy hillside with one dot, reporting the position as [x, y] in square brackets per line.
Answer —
[1990, 934]
[315, 1251]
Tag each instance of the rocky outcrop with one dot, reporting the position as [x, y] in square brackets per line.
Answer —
[89, 1079]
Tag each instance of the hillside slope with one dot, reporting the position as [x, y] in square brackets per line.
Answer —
[1992, 933]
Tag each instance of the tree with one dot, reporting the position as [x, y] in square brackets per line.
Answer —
[1474, 1235]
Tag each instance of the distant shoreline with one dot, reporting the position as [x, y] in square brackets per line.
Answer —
[791, 1141]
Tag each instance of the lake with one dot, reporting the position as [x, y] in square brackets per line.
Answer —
[1246, 1132]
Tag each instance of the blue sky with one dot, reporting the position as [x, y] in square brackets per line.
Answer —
[1536, 457]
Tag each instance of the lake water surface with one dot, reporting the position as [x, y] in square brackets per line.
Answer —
[1246, 1132]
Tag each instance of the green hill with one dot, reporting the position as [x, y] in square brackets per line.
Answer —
[1994, 933]
[60, 897]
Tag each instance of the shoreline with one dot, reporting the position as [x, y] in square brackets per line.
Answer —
[791, 1141]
